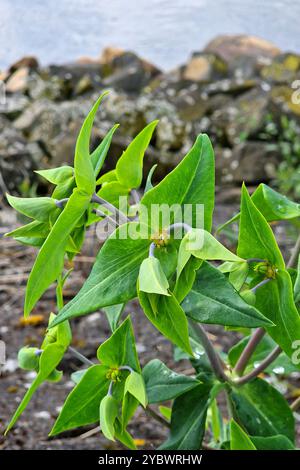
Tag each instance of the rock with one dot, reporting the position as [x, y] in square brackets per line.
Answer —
[243, 117]
[55, 126]
[18, 81]
[129, 73]
[13, 105]
[283, 69]
[28, 62]
[16, 159]
[284, 102]
[204, 68]
[109, 54]
[252, 162]
[229, 47]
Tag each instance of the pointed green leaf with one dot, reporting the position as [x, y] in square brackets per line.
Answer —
[214, 300]
[108, 413]
[130, 165]
[272, 205]
[34, 229]
[39, 208]
[99, 154]
[57, 175]
[239, 440]
[168, 317]
[112, 191]
[82, 404]
[276, 301]
[83, 166]
[49, 262]
[108, 177]
[136, 387]
[119, 349]
[262, 410]
[256, 239]
[113, 277]
[113, 315]
[149, 184]
[152, 278]
[163, 384]
[188, 420]
[191, 182]
[201, 244]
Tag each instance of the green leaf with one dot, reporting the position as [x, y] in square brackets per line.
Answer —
[109, 408]
[163, 384]
[168, 317]
[186, 279]
[49, 359]
[239, 440]
[152, 278]
[113, 277]
[113, 315]
[136, 387]
[188, 420]
[214, 300]
[262, 410]
[57, 175]
[82, 404]
[39, 208]
[98, 156]
[107, 177]
[123, 436]
[276, 301]
[191, 182]
[166, 412]
[279, 442]
[297, 283]
[83, 166]
[256, 239]
[34, 229]
[49, 262]
[130, 165]
[119, 349]
[149, 184]
[201, 244]
[112, 191]
[281, 366]
[272, 205]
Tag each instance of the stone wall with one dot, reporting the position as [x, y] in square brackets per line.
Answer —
[237, 90]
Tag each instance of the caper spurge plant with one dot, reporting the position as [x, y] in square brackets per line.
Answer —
[181, 282]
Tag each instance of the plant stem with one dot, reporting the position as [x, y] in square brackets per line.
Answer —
[296, 404]
[248, 351]
[80, 356]
[109, 206]
[260, 284]
[157, 417]
[262, 366]
[294, 255]
[212, 355]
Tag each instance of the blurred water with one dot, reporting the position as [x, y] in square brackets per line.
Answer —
[163, 31]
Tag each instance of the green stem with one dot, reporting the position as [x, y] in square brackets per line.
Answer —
[258, 370]
[213, 357]
[248, 351]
